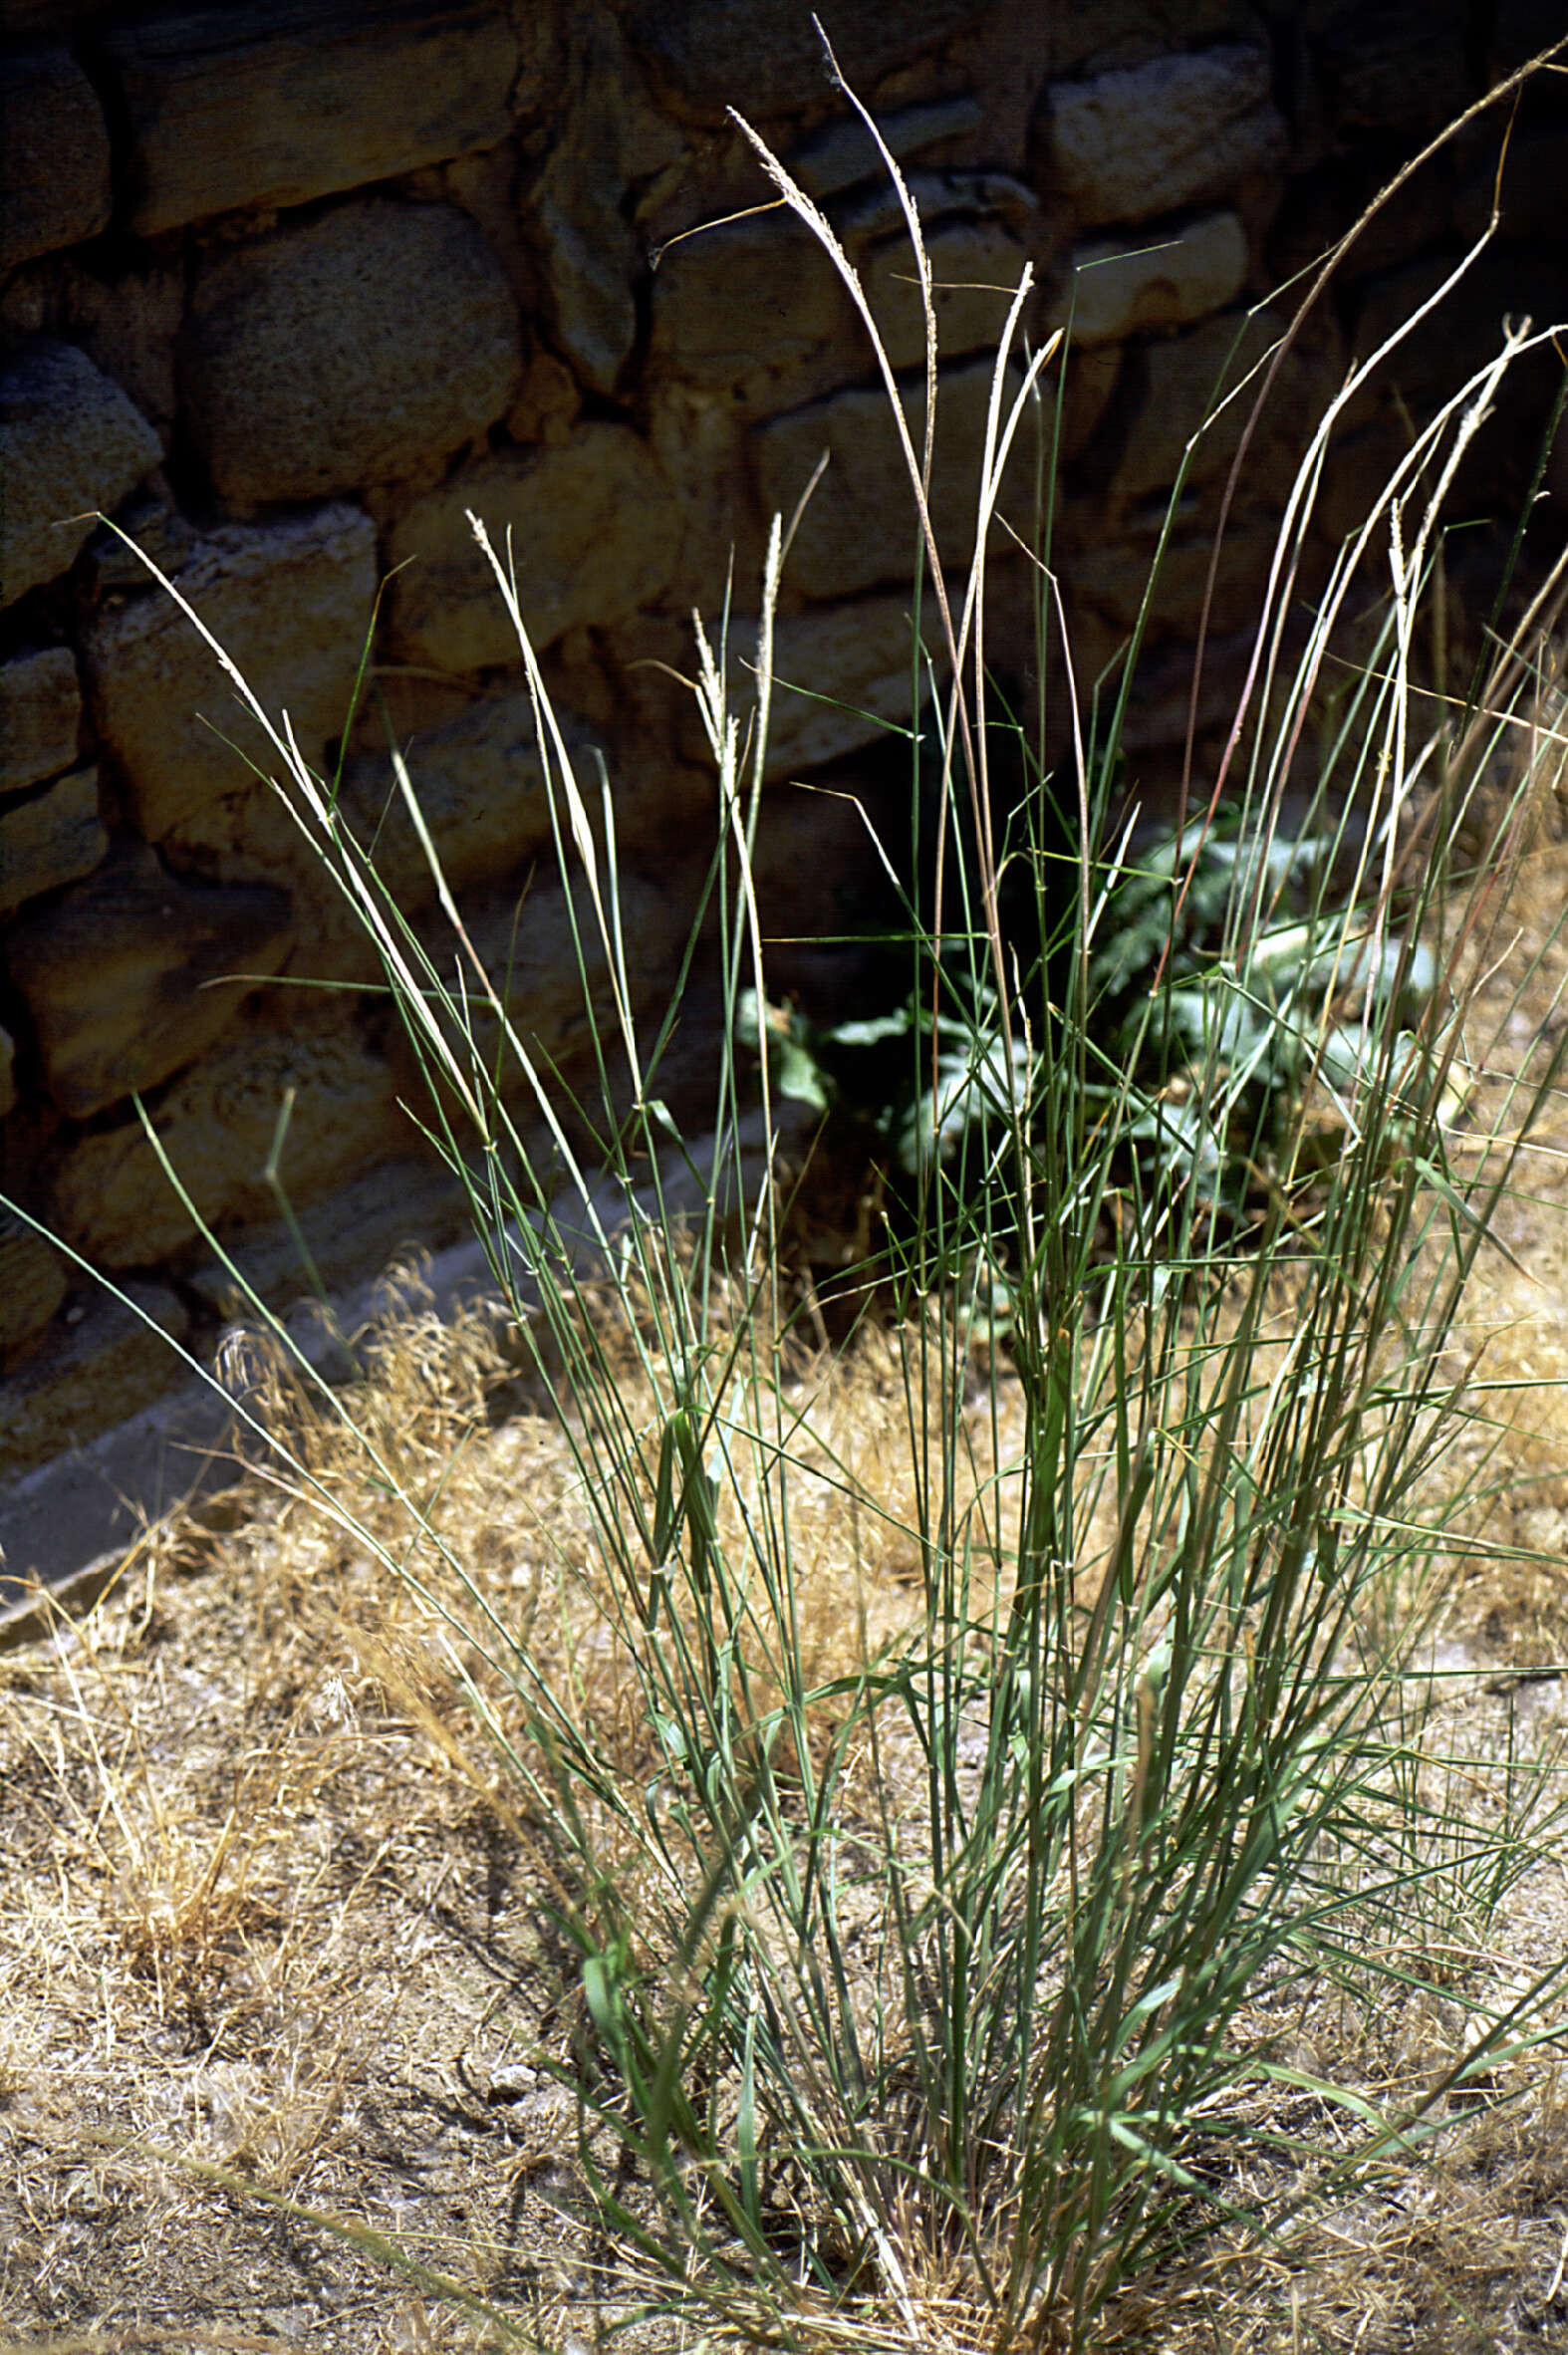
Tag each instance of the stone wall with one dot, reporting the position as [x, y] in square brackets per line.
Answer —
[287, 286]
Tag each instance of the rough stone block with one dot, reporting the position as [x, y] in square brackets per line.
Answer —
[69, 444]
[586, 260]
[109, 1197]
[1142, 139]
[975, 269]
[817, 879]
[91, 1375]
[289, 601]
[127, 326]
[1114, 578]
[766, 58]
[123, 977]
[352, 349]
[860, 528]
[1127, 32]
[480, 786]
[744, 307]
[1518, 30]
[146, 531]
[1119, 289]
[1451, 343]
[1185, 378]
[943, 199]
[528, 948]
[50, 837]
[54, 156]
[40, 714]
[1534, 175]
[845, 153]
[594, 533]
[269, 104]
[548, 404]
[575, 213]
[1395, 62]
[840, 673]
[1092, 377]
[33, 1281]
[248, 836]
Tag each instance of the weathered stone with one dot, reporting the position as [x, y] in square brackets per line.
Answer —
[942, 199]
[157, 533]
[817, 879]
[269, 104]
[860, 528]
[1115, 578]
[844, 154]
[1451, 343]
[70, 442]
[744, 308]
[1159, 706]
[1141, 140]
[1185, 380]
[290, 602]
[1534, 175]
[352, 349]
[548, 405]
[248, 838]
[587, 257]
[1092, 377]
[54, 156]
[91, 1373]
[480, 786]
[127, 326]
[110, 1198]
[975, 269]
[1319, 206]
[529, 943]
[50, 837]
[33, 1281]
[700, 446]
[594, 535]
[480, 789]
[1395, 62]
[1518, 30]
[841, 674]
[1129, 32]
[1358, 468]
[574, 214]
[122, 305]
[1119, 289]
[7, 1072]
[123, 977]
[767, 58]
[40, 714]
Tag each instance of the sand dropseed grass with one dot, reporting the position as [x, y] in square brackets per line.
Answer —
[958, 1856]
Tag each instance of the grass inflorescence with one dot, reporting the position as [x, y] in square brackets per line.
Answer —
[999, 1856]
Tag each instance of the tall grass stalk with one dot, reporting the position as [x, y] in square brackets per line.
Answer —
[947, 1985]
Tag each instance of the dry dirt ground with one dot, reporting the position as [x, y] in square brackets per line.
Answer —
[271, 1997]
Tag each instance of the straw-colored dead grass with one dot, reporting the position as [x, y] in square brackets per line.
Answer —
[275, 1925]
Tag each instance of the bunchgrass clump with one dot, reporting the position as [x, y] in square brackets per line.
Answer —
[954, 1826]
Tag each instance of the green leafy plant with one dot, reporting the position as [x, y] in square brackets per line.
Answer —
[952, 1975]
